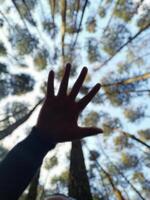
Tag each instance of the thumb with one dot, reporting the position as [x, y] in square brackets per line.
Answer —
[89, 131]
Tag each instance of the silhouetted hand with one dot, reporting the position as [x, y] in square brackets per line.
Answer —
[59, 114]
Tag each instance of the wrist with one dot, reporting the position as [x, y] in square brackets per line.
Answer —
[42, 141]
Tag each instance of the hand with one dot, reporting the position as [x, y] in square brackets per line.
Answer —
[59, 114]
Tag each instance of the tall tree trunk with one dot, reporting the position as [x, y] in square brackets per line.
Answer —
[32, 194]
[53, 7]
[141, 77]
[77, 8]
[63, 25]
[80, 24]
[116, 191]
[79, 187]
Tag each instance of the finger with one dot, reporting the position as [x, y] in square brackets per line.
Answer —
[64, 83]
[85, 100]
[85, 132]
[78, 83]
[50, 84]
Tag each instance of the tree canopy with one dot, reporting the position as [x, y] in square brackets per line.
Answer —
[110, 37]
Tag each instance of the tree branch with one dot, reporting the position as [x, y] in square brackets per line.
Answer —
[122, 174]
[141, 77]
[116, 191]
[124, 45]
[15, 125]
[83, 11]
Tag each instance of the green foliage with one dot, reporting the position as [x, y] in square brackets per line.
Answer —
[123, 67]
[28, 3]
[114, 37]
[112, 169]
[50, 27]
[73, 7]
[138, 176]
[25, 7]
[13, 112]
[102, 12]
[134, 114]
[118, 94]
[128, 160]
[91, 119]
[125, 9]
[3, 50]
[21, 84]
[91, 24]
[3, 69]
[4, 89]
[50, 162]
[71, 29]
[23, 10]
[60, 72]
[96, 197]
[14, 84]
[40, 60]
[110, 124]
[93, 50]
[61, 180]
[146, 159]
[121, 141]
[144, 19]
[16, 110]
[23, 41]
[144, 134]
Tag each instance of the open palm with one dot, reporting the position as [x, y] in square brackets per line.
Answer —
[59, 113]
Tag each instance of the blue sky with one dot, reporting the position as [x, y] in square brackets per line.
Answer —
[96, 76]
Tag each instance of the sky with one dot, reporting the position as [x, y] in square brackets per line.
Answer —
[42, 10]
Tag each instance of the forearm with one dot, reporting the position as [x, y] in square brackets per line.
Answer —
[20, 165]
